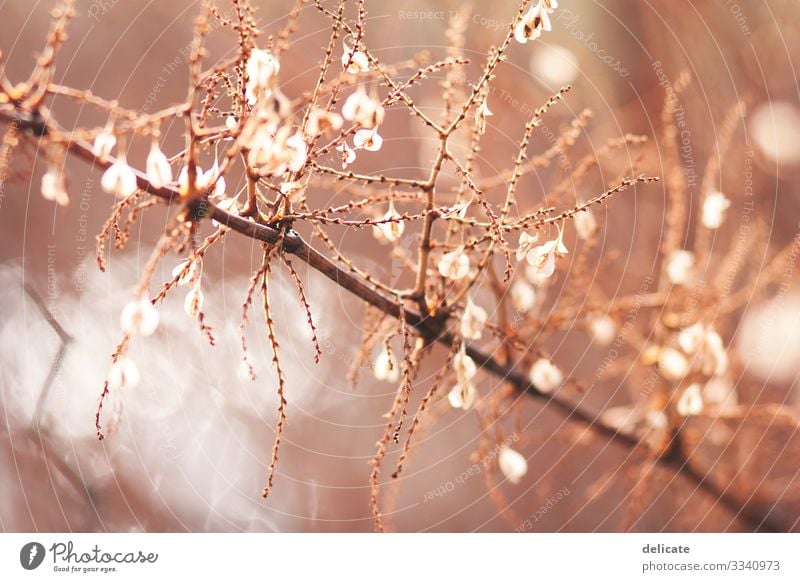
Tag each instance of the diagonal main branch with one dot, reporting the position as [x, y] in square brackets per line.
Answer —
[430, 329]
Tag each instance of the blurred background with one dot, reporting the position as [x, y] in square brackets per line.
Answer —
[193, 441]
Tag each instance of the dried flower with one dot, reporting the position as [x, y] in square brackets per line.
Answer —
[463, 393]
[672, 364]
[585, 225]
[480, 116]
[545, 376]
[362, 109]
[690, 402]
[386, 366]
[103, 144]
[54, 187]
[193, 304]
[543, 258]
[139, 317]
[368, 139]
[535, 21]
[523, 296]
[526, 244]
[261, 68]
[354, 61]
[119, 179]
[321, 120]
[454, 265]
[473, 320]
[392, 230]
[679, 267]
[348, 154]
[123, 374]
[512, 464]
[714, 207]
[188, 271]
[159, 172]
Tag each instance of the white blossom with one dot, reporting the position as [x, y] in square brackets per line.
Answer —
[386, 366]
[355, 61]
[679, 267]
[193, 304]
[119, 179]
[473, 320]
[320, 121]
[103, 144]
[691, 339]
[585, 225]
[480, 116]
[604, 329]
[139, 317]
[512, 464]
[123, 374]
[523, 296]
[715, 206]
[188, 271]
[690, 402]
[543, 258]
[368, 139]
[526, 244]
[535, 21]
[362, 109]
[262, 68]
[391, 230]
[545, 376]
[454, 265]
[348, 154]
[159, 172]
[672, 364]
[463, 393]
[54, 187]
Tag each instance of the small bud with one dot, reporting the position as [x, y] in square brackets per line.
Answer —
[545, 376]
[512, 465]
[679, 267]
[123, 374]
[54, 187]
[103, 144]
[672, 364]
[690, 402]
[714, 207]
[523, 296]
[386, 367]
[139, 318]
[604, 329]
